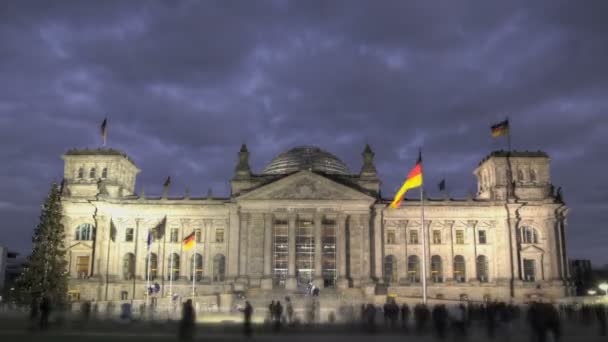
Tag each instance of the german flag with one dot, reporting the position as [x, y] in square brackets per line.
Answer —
[500, 129]
[414, 180]
[189, 242]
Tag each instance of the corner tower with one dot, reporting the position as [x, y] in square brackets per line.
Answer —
[107, 172]
[530, 176]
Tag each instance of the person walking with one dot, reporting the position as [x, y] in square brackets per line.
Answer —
[45, 311]
[186, 327]
[289, 310]
[405, 316]
[247, 312]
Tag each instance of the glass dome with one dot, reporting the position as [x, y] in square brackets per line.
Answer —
[306, 158]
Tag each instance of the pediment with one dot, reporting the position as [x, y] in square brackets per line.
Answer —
[81, 246]
[532, 249]
[305, 185]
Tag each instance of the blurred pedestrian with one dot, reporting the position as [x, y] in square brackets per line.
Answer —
[247, 312]
[405, 315]
[440, 320]
[289, 310]
[45, 311]
[186, 327]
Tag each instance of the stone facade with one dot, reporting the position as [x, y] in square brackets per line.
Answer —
[309, 219]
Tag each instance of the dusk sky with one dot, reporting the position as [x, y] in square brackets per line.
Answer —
[185, 83]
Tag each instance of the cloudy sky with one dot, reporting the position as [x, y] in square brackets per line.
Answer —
[183, 84]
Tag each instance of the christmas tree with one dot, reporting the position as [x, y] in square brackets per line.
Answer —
[46, 272]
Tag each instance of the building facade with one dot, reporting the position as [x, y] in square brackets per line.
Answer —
[306, 218]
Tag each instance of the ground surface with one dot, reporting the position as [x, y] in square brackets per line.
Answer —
[15, 328]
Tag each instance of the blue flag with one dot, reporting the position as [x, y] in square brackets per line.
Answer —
[149, 238]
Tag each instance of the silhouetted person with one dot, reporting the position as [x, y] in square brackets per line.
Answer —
[405, 315]
[600, 315]
[271, 312]
[440, 320]
[186, 327]
[45, 311]
[458, 314]
[553, 323]
[86, 311]
[247, 312]
[289, 310]
[421, 315]
[278, 313]
[370, 316]
[34, 312]
[490, 319]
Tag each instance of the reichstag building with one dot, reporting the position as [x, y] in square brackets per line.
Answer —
[307, 218]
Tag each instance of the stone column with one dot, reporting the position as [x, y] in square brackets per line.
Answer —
[448, 265]
[246, 220]
[232, 267]
[207, 262]
[291, 283]
[341, 237]
[267, 279]
[365, 249]
[318, 276]
[378, 241]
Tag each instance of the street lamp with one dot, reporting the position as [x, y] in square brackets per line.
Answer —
[591, 292]
[604, 287]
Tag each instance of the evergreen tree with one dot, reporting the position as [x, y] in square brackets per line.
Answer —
[45, 273]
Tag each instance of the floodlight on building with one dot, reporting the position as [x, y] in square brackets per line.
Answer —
[604, 287]
[591, 292]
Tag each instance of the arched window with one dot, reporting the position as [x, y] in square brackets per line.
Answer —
[436, 269]
[198, 267]
[104, 172]
[532, 175]
[482, 268]
[520, 175]
[153, 268]
[219, 267]
[92, 173]
[128, 266]
[390, 269]
[529, 235]
[84, 232]
[413, 269]
[80, 173]
[173, 272]
[459, 269]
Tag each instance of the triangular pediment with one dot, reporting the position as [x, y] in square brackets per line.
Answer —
[532, 249]
[81, 246]
[305, 185]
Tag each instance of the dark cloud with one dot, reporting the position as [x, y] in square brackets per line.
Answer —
[185, 83]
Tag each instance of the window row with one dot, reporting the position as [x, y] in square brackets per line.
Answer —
[391, 237]
[436, 273]
[86, 232]
[174, 267]
[523, 176]
[92, 173]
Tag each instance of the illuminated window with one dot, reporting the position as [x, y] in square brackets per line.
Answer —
[198, 267]
[390, 237]
[173, 273]
[129, 235]
[128, 266]
[413, 269]
[437, 237]
[459, 269]
[529, 270]
[482, 237]
[280, 252]
[390, 269]
[152, 270]
[436, 269]
[174, 235]
[413, 237]
[219, 235]
[460, 237]
[482, 268]
[82, 266]
[219, 267]
[84, 232]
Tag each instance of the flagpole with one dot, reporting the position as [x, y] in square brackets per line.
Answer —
[148, 269]
[171, 272]
[423, 244]
[193, 264]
